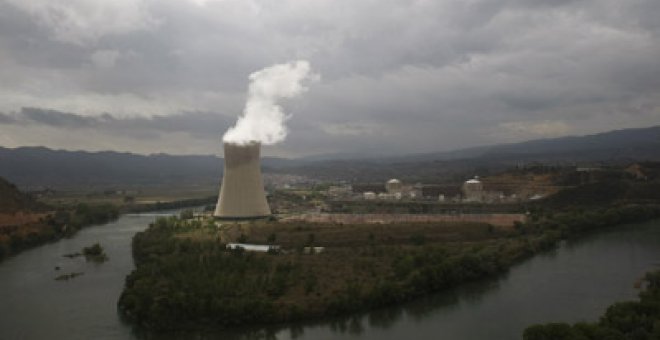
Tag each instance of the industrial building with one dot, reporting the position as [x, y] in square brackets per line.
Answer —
[242, 194]
[253, 247]
[394, 186]
[473, 190]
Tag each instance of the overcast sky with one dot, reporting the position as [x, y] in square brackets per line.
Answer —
[171, 76]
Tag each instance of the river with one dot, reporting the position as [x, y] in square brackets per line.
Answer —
[573, 283]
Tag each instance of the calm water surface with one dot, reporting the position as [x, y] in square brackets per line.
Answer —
[574, 283]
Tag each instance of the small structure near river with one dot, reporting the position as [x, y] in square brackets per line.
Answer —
[253, 247]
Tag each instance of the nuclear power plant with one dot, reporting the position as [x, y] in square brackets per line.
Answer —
[242, 194]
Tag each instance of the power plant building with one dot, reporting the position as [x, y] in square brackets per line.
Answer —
[242, 194]
[394, 186]
[473, 190]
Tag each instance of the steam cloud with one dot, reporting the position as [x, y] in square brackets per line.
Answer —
[263, 119]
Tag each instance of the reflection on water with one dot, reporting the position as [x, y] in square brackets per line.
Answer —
[384, 318]
[574, 283]
[36, 306]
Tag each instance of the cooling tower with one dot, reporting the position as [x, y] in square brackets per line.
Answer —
[242, 194]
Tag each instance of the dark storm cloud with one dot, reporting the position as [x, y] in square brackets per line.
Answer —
[397, 76]
[196, 124]
[55, 118]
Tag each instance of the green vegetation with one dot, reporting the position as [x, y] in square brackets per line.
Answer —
[638, 320]
[185, 278]
[186, 214]
[598, 194]
[292, 201]
[567, 224]
[67, 277]
[95, 253]
[26, 223]
[170, 205]
[51, 227]
[84, 215]
[69, 221]
[418, 207]
[201, 283]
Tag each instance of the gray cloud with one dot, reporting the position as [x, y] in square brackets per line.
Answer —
[6, 119]
[55, 118]
[201, 125]
[397, 76]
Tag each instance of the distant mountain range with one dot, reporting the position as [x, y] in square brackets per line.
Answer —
[640, 143]
[617, 144]
[34, 167]
[614, 147]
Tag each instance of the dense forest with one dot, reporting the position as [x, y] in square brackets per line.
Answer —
[184, 281]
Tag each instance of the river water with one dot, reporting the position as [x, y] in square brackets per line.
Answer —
[574, 283]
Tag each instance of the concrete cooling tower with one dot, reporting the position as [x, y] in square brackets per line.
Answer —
[242, 194]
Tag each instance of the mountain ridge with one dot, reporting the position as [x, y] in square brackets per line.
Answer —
[35, 167]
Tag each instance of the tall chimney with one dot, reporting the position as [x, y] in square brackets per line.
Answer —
[242, 194]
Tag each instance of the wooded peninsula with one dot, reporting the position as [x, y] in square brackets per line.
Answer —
[186, 278]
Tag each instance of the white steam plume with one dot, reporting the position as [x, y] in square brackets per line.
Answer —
[263, 119]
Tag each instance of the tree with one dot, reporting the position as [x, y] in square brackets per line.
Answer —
[186, 214]
[551, 331]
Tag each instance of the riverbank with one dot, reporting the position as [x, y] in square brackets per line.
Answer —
[638, 320]
[169, 205]
[22, 231]
[186, 279]
[52, 226]
[37, 306]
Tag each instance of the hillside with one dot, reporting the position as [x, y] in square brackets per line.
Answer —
[637, 143]
[12, 200]
[38, 167]
[601, 194]
[42, 167]
[25, 223]
[614, 147]
[17, 209]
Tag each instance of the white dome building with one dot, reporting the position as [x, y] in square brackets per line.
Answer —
[394, 186]
[473, 190]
